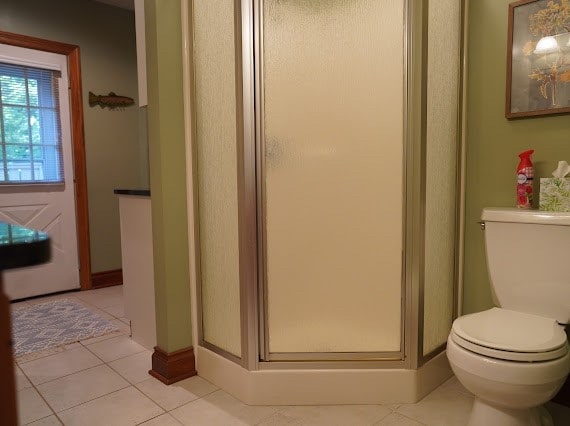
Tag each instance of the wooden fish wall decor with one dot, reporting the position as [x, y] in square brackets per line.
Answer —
[111, 101]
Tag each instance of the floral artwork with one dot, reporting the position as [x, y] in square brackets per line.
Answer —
[538, 69]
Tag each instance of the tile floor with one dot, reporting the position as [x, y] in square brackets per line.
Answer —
[105, 381]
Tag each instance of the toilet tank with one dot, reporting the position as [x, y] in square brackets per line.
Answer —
[528, 259]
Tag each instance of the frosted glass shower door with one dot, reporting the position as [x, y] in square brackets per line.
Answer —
[332, 84]
[216, 173]
[443, 85]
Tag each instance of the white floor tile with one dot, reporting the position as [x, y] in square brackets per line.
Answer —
[125, 407]
[135, 367]
[443, 407]
[83, 391]
[279, 419]
[177, 394]
[122, 326]
[163, 420]
[21, 380]
[397, 419]
[454, 385]
[221, 409]
[102, 298]
[61, 364]
[118, 311]
[47, 421]
[96, 310]
[81, 387]
[117, 347]
[31, 406]
[122, 330]
[331, 415]
[116, 290]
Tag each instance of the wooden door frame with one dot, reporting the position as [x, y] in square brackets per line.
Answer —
[77, 140]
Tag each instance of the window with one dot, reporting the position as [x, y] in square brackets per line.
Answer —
[30, 130]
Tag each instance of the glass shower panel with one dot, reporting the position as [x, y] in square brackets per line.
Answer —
[444, 39]
[332, 148]
[215, 109]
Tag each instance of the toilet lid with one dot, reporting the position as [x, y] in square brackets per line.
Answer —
[510, 331]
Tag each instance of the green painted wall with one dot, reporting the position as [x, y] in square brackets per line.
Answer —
[168, 173]
[493, 142]
[115, 155]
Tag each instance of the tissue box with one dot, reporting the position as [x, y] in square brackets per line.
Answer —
[555, 194]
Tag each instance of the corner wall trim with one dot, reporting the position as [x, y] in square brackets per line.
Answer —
[107, 278]
[174, 366]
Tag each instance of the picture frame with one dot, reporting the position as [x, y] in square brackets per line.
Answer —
[538, 58]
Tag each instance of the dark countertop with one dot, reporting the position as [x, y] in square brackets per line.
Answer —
[139, 192]
[21, 246]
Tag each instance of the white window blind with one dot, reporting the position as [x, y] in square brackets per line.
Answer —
[30, 126]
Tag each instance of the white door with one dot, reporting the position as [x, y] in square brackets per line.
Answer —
[36, 165]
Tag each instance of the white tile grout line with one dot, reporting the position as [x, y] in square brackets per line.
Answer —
[409, 418]
[184, 403]
[162, 414]
[33, 385]
[134, 385]
[103, 363]
[392, 410]
[54, 413]
[97, 307]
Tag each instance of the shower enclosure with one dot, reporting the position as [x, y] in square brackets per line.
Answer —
[326, 184]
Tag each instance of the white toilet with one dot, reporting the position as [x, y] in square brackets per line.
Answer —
[515, 357]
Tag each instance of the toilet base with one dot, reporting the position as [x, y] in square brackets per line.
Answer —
[485, 414]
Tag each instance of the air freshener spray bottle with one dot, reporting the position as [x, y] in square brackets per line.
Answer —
[525, 175]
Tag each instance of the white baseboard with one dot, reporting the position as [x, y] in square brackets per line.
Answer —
[322, 387]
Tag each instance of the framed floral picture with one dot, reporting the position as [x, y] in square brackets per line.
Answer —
[538, 58]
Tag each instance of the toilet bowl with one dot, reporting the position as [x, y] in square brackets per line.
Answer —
[512, 362]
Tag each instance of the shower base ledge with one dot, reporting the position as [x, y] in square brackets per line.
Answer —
[323, 386]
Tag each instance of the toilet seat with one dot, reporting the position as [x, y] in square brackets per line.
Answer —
[510, 335]
[509, 355]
